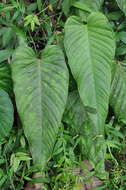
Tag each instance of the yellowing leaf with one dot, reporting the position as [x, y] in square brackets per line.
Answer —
[50, 7]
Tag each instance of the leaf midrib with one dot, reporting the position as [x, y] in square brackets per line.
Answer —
[91, 61]
[40, 90]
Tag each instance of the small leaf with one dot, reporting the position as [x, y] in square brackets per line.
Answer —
[32, 7]
[121, 50]
[39, 4]
[82, 6]
[32, 20]
[50, 7]
[15, 165]
[113, 144]
[22, 141]
[22, 156]
[32, 25]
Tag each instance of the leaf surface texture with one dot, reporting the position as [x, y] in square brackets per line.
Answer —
[5, 77]
[122, 5]
[40, 86]
[90, 49]
[118, 92]
[6, 114]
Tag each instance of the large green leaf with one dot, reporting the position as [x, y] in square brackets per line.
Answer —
[90, 48]
[6, 114]
[75, 113]
[118, 92]
[5, 77]
[40, 86]
[122, 5]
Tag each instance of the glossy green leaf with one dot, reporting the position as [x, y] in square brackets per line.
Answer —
[122, 5]
[6, 114]
[5, 77]
[41, 98]
[90, 48]
[118, 92]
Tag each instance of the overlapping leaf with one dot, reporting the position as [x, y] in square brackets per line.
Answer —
[5, 54]
[75, 113]
[94, 5]
[87, 6]
[122, 5]
[118, 92]
[5, 77]
[76, 116]
[66, 6]
[40, 86]
[90, 48]
[6, 114]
